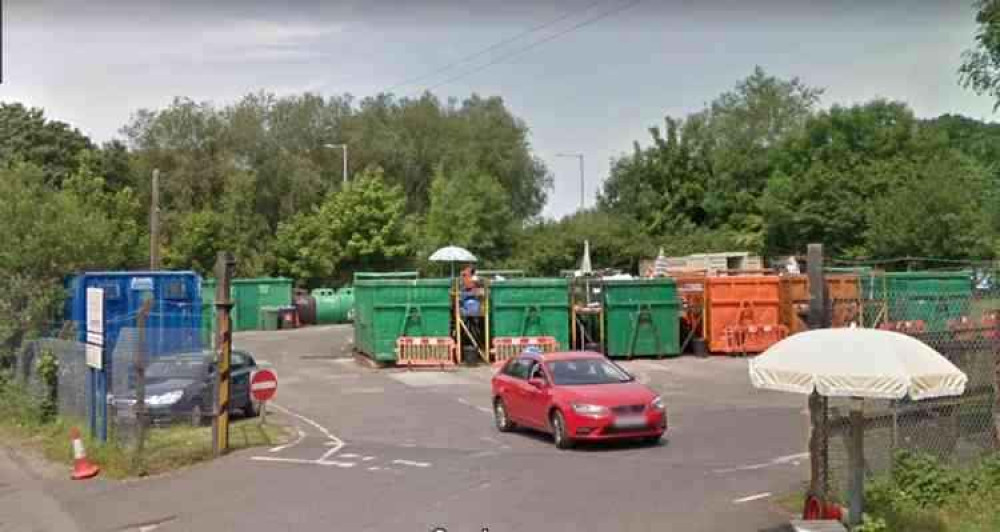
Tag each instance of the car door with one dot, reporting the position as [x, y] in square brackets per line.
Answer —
[513, 394]
[536, 399]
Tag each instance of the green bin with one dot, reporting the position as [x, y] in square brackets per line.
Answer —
[251, 295]
[387, 308]
[268, 318]
[642, 318]
[933, 297]
[530, 307]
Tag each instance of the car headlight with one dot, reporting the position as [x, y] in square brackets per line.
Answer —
[590, 410]
[657, 404]
[168, 398]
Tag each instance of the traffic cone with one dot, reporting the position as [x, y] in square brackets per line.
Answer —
[82, 468]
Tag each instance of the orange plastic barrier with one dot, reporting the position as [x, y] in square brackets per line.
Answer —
[905, 327]
[742, 314]
[508, 347]
[426, 351]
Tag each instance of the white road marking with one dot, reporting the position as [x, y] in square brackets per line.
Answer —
[374, 468]
[412, 463]
[750, 498]
[338, 443]
[477, 407]
[302, 461]
[789, 459]
[302, 436]
[350, 455]
[368, 459]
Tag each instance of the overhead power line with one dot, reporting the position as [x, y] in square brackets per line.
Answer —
[492, 47]
[586, 22]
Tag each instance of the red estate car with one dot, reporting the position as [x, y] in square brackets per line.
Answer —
[575, 396]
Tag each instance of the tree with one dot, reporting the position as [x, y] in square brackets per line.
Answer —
[845, 178]
[359, 228]
[27, 136]
[50, 233]
[980, 69]
[710, 167]
[939, 212]
[470, 209]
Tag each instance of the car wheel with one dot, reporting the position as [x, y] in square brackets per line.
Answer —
[252, 409]
[503, 422]
[559, 436]
[197, 416]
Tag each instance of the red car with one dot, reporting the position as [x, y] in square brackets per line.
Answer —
[575, 396]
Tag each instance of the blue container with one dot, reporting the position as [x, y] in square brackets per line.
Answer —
[175, 316]
[173, 325]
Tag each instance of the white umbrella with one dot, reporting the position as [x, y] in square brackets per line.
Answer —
[857, 363]
[452, 254]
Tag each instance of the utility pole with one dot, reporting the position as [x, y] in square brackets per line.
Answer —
[154, 223]
[342, 147]
[578, 156]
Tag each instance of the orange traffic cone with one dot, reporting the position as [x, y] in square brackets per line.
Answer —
[82, 468]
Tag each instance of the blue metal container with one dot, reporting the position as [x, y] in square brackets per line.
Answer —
[175, 316]
[173, 324]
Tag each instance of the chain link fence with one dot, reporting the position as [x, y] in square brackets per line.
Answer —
[956, 314]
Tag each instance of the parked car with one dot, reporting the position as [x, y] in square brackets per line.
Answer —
[179, 387]
[575, 396]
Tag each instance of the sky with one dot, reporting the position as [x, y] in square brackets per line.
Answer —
[592, 78]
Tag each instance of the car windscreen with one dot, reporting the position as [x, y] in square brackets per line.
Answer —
[177, 368]
[582, 371]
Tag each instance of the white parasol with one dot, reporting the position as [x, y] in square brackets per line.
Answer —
[857, 363]
[452, 254]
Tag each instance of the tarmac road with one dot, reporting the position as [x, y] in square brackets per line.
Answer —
[389, 450]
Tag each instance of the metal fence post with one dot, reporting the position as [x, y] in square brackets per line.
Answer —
[139, 363]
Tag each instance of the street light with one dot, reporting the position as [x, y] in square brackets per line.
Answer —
[578, 156]
[342, 147]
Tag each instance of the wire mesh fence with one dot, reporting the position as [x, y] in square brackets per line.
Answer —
[957, 314]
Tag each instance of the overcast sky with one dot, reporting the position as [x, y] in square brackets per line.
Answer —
[609, 69]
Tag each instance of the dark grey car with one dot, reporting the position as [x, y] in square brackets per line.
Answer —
[180, 387]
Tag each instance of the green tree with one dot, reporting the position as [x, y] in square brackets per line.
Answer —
[709, 168]
[980, 69]
[27, 136]
[472, 210]
[362, 227]
[50, 233]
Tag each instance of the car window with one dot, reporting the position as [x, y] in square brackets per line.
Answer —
[239, 360]
[535, 372]
[586, 371]
[519, 368]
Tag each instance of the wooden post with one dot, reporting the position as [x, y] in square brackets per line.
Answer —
[224, 266]
[819, 435]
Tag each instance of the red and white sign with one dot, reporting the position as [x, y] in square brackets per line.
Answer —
[263, 385]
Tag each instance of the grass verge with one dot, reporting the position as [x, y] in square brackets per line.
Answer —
[24, 424]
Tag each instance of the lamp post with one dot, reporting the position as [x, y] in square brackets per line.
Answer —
[580, 157]
[344, 148]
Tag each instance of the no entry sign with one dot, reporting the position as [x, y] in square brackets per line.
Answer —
[263, 385]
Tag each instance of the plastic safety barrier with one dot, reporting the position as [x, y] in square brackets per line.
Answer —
[744, 338]
[508, 347]
[425, 351]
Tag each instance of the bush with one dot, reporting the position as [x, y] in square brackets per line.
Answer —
[922, 495]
